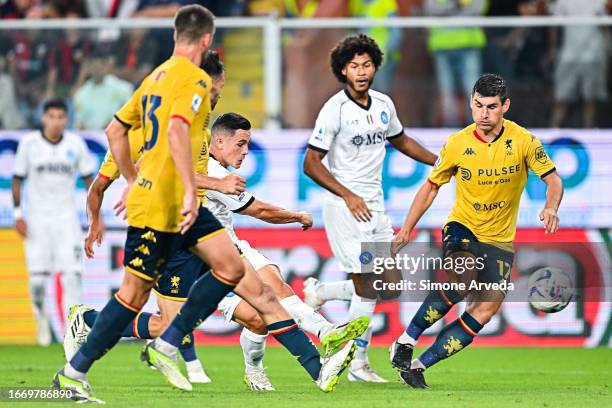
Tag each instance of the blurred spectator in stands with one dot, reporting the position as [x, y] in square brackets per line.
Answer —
[110, 8]
[16, 9]
[581, 62]
[101, 93]
[69, 51]
[135, 55]
[167, 8]
[29, 66]
[500, 52]
[10, 117]
[63, 9]
[457, 53]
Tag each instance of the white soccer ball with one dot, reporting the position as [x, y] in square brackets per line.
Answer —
[550, 289]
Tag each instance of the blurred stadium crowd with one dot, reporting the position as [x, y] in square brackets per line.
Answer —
[558, 76]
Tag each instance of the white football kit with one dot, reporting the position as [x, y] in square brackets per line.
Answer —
[54, 241]
[354, 136]
[222, 206]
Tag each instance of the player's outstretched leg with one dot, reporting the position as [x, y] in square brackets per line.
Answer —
[316, 293]
[308, 319]
[279, 324]
[219, 252]
[434, 307]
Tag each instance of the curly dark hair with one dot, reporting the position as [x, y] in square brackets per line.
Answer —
[350, 46]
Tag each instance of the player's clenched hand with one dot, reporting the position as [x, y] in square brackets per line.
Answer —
[94, 235]
[399, 241]
[358, 207]
[305, 220]
[21, 227]
[120, 206]
[551, 220]
[233, 184]
[189, 211]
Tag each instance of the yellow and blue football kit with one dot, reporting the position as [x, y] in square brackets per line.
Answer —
[490, 178]
[175, 89]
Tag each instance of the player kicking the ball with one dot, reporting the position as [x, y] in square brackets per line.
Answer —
[490, 160]
[354, 127]
[230, 145]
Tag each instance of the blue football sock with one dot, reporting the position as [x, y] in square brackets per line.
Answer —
[453, 338]
[105, 333]
[90, 317]
[187, 348]
[433, 308]
[139, 327]
[299, 345]
[204, 296]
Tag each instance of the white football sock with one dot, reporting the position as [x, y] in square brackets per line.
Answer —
[253, 349]
[71, 372]
[416, 363]
[71, 283]
[194, 365]
[305, 316]
[37, 291]
[406, 339]
[342, 290]
[166, 348]
[361, 306]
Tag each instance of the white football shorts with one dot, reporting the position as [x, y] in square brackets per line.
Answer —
[346, 235]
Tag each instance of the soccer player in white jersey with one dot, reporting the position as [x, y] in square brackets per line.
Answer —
[50, 159]
[352, 130]
[229, 146]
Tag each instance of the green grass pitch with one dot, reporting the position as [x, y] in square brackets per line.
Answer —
[475, 377]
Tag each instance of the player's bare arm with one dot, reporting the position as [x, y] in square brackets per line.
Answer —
[119, 145]
[413, 149]
[87, 180]
[276, 215]
[95, 231]
[314, 168]
[554, 194]
[20, 224]
[180, 150]
[230, 184]
[422, 201]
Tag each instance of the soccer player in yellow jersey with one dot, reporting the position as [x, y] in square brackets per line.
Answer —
[170, 297]
[171, 106]
[490, 160]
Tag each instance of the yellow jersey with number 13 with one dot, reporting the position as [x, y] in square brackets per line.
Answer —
[490, 178]
[175, 89]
